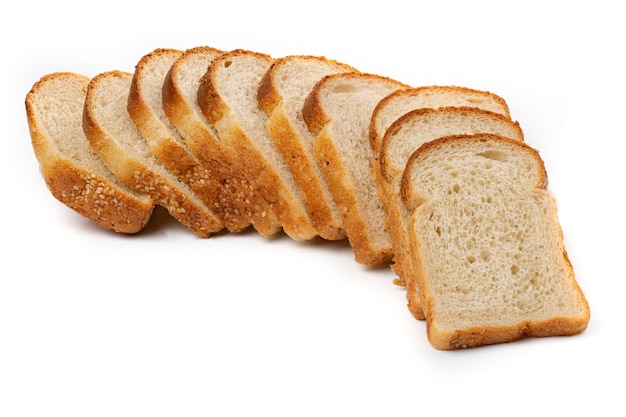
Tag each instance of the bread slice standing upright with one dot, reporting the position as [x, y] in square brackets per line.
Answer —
[487, 244]
[145, 106]
[338, 112]
[281, 95]
[404, 136]
[126, 153]
[71, 169]
[180, 103]
[228, 98]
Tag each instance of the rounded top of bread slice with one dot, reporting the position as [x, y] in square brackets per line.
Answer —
[180, 101]
[400, 102]
[484, 162]
[418, 126]
[290, 79]
[325, 103]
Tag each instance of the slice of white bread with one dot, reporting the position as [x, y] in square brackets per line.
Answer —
[404, 136]
[338, 112]
[72, 171]
[145, 107]
[281, 95]
[116, 139]
[228, 98]
[400, 102]
[180, 103]
[390, 108]
[487, 244]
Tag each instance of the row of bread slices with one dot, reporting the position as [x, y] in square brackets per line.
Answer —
[238, 139]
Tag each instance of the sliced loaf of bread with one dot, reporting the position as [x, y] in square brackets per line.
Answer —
[180, 103]
[487, 244]
[281, 95]
[72, 171]
[228, 98]
[338, 112]
[404, 136]
[116, 139]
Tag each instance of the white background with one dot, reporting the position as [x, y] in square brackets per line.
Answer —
[166, 324]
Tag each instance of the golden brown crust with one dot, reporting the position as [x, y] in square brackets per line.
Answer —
[313, 111]
[201, 142]
[91, 195]
[138, 176]
[268, 189]
[268, 95]
[205, 183]
[215, 110]
[289, 144]
[332, 167]
[320, 214]
[206, 146]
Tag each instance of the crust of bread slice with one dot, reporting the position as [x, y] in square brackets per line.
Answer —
[72, 171]
[281, 95]
[403, 137]
[228, 98]
[145, 106]
[487, 245]
[180, 102]
[116, 139]
[338, 112]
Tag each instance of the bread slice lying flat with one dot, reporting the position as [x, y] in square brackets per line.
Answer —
[487, 245]
[228, 98]
[400, 102]
[281, 95]
[338, 112]
[73, 172]
[404, 136]
[180, 104]
[116, 139]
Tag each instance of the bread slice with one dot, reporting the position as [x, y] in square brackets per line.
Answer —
[404, 136]
[72, 171]
[281, 95]
[145, 106]
[487, 245]
[400, 102]
[228, 98]
[390, 108]
[126, 153]
[180, 103]
[338, 112]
